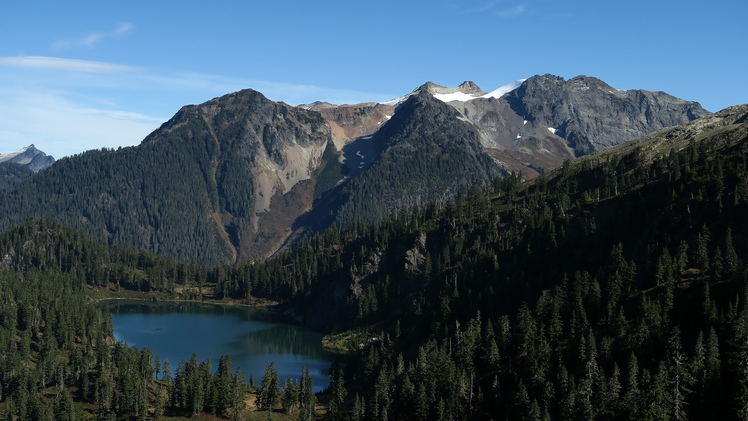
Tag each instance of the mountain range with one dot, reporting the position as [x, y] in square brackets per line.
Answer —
[240, 176]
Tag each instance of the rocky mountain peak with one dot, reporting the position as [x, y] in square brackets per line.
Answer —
[591, 115]
[469, 87]
[29, 156]
[429, 87]
[317, 105]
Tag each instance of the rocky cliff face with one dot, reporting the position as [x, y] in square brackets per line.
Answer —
[349, 122]
[439, 139]
[515, 144]
[468, 88]
[219, 182]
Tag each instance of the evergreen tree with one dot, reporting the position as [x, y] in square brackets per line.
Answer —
[238, 394]
[268, 395]
[740, 363]
[307, 400]
[732, 262]
[359, 409]
[290, 396]
[336, 388]
[702, 251]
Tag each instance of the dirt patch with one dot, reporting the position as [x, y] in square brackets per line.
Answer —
[273, 227]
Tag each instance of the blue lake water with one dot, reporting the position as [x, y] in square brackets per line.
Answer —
[253, 337]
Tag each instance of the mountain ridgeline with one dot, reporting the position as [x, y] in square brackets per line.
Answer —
[591, 115]
[240, 176]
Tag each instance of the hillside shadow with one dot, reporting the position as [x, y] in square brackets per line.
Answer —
[360, 153]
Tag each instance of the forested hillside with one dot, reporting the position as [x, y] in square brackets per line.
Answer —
[613, 288]
[189, 190]
[58, 357]
[11, 174]
[50, 246]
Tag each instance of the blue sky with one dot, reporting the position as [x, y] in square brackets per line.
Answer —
[79, 75]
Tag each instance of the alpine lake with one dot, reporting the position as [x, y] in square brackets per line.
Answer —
[254, 337]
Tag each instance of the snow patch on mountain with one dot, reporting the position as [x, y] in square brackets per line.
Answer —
[498, 93]
[396, 101]
[504, 89]
[453, 94]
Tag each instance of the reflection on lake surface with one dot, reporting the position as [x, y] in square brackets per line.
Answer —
[253, 337]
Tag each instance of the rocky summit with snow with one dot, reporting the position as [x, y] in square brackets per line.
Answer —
[533, 125]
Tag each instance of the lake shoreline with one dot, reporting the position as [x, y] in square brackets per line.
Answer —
[254, 335]
[285, 312]
[277, 309]
[280, 309]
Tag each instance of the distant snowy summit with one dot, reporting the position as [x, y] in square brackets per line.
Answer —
[29, 156]
[467, 91]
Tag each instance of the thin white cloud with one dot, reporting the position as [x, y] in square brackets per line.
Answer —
[69, 106]
[493, 7]
[61, 127]
[92, 39]
[510, 13]
[122, 29]
[484, 8]
[55, 63]
[292, 94]
[63, 122]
